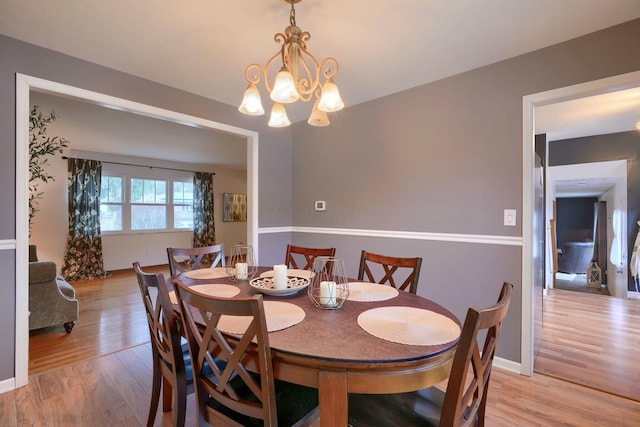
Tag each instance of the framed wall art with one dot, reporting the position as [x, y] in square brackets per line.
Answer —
[235, 207]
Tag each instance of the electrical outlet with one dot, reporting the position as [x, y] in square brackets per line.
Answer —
[320, 205]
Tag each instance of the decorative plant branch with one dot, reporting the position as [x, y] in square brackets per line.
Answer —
[41, 147]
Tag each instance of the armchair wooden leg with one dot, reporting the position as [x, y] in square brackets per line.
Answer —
[69, 326]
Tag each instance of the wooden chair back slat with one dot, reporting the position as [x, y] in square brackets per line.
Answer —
[213, 256]
[300, 257]
[401, 273]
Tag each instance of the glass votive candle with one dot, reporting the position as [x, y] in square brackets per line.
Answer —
[242, 263]
[329, 287]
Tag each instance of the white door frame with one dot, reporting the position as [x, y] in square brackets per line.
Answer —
[529, 104]
[24, 85]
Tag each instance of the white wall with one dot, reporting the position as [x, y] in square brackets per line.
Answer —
[616, 198]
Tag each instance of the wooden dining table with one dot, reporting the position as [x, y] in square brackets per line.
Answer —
[329, 351]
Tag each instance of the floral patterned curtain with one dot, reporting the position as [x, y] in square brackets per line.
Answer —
[204, 229]
[83, 256]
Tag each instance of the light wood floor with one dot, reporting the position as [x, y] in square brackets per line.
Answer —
[102, 376]
[593, 340]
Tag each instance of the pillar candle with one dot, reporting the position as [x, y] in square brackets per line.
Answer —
[328, 294]
[241, 271]
[280, 276]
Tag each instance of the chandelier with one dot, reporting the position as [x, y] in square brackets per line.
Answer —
[297, 80]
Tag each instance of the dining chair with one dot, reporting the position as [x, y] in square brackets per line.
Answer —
[401, 273]
[244, 392]
[171, 363]
[465, 399]
[301, 257]
[195, 257]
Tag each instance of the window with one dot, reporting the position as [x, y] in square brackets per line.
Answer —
[111, 203]
[183, 205]
[148, 203]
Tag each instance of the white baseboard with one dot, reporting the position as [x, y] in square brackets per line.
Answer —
[7, 385]
[507, 365]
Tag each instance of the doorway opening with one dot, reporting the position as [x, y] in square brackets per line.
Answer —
[588, 205]
[24, 85]
[530, 309]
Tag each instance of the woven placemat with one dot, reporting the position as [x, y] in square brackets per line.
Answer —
[409, 325]
[207, 273]
[212, 289]
[360, 291]
[280, 315]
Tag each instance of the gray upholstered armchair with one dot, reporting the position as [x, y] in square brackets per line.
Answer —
[52, 301]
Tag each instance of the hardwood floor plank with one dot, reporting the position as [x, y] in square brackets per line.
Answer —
[589, 339]
[127, 387]
[57, 417]
[29, 409]
[8, 412]
[98, 398]
[139, 370]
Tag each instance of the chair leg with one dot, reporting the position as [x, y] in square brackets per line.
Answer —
[167, 395]
[155, 394]
[180, 409]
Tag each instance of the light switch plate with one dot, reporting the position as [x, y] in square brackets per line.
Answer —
[510, 217]
[320, 205]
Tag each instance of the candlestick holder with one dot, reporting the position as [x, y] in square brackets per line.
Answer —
[242, 263]
[329, 287]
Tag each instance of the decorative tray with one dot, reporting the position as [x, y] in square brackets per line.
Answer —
[294, 272]
[265, 285]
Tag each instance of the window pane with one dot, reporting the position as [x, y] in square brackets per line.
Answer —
[110, 217]
[111, 189]
[145, 217]
[183, 193]
[148, 191]
[183, 217]
[136, 190]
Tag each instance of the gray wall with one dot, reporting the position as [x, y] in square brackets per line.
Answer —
[601, 148]
[444, 157]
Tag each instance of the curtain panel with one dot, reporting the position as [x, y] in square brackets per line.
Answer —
[204, 229]
[83, 256]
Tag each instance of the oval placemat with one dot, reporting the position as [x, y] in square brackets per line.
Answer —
[361, 291]
[207, 273]
[409, 325]
[280, 315]
[212, 289]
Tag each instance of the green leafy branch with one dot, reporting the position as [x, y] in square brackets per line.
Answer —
[41, 147]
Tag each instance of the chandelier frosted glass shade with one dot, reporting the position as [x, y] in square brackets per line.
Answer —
[284, 89]
[318, 117]
[300, 78]
[330, 101]
[278, 117]
[251, 102]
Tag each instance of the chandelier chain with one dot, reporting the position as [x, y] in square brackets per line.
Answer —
[292, 16]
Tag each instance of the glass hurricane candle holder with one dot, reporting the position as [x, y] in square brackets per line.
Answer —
[329, 287]
[242, 263]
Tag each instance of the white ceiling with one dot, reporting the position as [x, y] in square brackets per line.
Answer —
[595, 115]
[382, 46]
